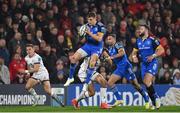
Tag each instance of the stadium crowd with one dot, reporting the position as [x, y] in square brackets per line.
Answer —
[52, 26]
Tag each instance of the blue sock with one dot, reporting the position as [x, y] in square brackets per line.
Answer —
[89, 74]
[72, 70]
[116, 93]
[144, 94]
[156, 95]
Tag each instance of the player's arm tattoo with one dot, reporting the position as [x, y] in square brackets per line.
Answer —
[133, 54]
[107, 58]
[159, 51]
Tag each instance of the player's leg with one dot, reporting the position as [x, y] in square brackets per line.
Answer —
[151, 70]
[47, 89]
[130, 76]
[85, 93]
[80, 53]
[29, 87]
[138, 87]
[148, 81]
[111, 83]
[91, 67]
[100, 80]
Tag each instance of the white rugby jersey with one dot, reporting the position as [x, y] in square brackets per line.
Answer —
[35, 59]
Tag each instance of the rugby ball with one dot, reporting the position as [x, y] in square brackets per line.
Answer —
[82, 30]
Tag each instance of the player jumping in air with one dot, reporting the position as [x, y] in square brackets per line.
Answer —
[115, 53]
[92, 48]
[39, 74]
[148, 49]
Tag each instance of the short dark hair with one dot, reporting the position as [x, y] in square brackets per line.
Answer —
[91, 14]
[29, 45]
[145, 25]
[113, 35]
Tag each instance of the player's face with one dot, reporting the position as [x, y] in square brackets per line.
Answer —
[30, 51]
[110, 40]
[92, 21]
[142, 31]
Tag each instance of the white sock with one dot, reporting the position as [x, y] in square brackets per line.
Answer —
[86, 94]
[33, 92]
[81, 96]
[103, 94]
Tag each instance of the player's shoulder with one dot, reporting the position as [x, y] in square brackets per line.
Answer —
[154, 39]
[100, 24]
[37, 56]
[101, 27]
[118, 45]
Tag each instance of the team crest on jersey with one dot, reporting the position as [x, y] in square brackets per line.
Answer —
[139, 43]
[95, 29]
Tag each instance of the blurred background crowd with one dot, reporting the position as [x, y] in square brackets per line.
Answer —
[52, 26]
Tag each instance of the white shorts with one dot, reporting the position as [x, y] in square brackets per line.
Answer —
[82, 52]
[83, 75]
[43, 76]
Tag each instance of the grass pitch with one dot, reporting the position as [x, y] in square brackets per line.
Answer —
[85, 109]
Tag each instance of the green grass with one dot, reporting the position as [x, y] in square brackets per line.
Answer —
[85, 109]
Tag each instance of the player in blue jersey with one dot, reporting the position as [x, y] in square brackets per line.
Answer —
[92, 48]
[115, 53]
[148, 49]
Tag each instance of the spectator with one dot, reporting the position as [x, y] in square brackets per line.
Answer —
[176, 75]
[61, 75]
[61, 46]
[18, 49]
[16, 40]
[165, 68]
[3, 33]
[107, 15]
[4, 72]
[38, 36]
[175, 48]
[65, 21]
[13, 30]
[29, 39]
[16, 65]
[175, 64]
[3, 12]
[49, 59]
[166, 78]
[102, 71]
[4, 53]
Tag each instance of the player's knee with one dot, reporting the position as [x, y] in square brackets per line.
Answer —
[136, 85]
[48, 91]
[146, 83]
[91, 93]
[110, 84]
[103, 83]
[27, 87]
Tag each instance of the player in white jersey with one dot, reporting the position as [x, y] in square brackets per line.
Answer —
[96, 77]
[39, 74]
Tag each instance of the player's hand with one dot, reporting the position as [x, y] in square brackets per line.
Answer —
[87, 31]
[107, 58]
[150, 58]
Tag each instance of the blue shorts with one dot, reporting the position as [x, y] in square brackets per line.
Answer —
[151, 67]
[125, 70]
[92, 49]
